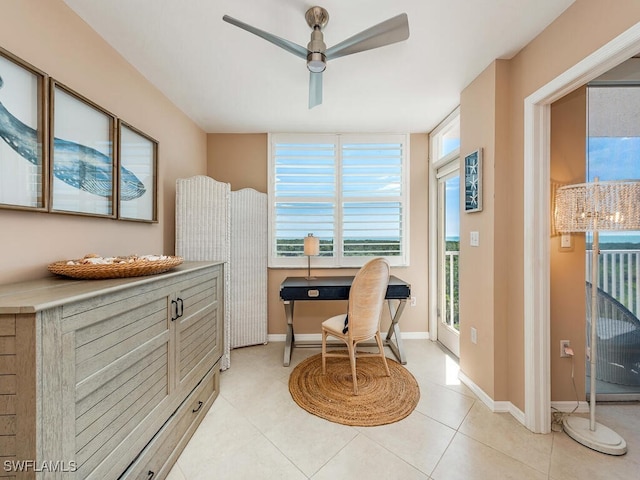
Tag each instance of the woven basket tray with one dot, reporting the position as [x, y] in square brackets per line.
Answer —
[116, 270]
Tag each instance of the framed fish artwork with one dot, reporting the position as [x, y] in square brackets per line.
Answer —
[23, 134]
[137, 175]
[83, 167]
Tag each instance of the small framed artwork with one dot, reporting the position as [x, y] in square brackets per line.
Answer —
[23, 135]
[473, 182]
[137, 175]
[82, 173]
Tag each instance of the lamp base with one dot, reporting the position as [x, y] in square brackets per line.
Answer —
[602, 439]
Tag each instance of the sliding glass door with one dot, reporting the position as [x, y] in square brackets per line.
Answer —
[613, 153]
[448, 256]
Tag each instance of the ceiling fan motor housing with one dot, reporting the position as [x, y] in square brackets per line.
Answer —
[317, 18]
[316, 59]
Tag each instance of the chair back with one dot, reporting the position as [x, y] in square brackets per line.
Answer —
[618, 340]
[366, 298]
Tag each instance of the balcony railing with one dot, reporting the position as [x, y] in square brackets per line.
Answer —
[618, 276]
[451, 314]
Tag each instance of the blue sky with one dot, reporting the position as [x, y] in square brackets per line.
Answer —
[614, 158]
[452, 205]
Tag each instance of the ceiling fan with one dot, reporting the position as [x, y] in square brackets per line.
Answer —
[393, 30]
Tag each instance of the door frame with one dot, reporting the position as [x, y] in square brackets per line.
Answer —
[537, 130]
[434, 164]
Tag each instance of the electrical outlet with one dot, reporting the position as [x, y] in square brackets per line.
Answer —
[563, 345]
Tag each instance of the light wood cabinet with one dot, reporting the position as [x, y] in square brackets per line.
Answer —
[104, 379]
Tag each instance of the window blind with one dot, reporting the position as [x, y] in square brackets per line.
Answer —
[349, 191]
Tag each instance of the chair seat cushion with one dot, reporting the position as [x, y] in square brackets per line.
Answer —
[335, 325]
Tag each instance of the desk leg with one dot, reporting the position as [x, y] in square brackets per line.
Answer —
[394, 330]
[288, 346]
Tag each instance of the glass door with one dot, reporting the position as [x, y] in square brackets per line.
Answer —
[448, 256]
[613, 153]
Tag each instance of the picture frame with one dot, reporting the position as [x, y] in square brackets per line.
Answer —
[23, 135]
[82, 173]
[137, 175]
[473, 182]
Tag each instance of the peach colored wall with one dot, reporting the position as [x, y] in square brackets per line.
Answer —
[483, 274]
[568, 165]
[502, 199]
[580, 30]
[476, 275]
[238, 159]
[241, 160]
[54, 39]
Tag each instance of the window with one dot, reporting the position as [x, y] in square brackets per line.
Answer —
[444, 140]
[350, 191]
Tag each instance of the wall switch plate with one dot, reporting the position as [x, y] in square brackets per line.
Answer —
[474, 239]
[474, 335]
[413, 301]
[565, 240]
[563, 345]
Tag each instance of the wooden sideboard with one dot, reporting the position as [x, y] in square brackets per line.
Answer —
[107, 379]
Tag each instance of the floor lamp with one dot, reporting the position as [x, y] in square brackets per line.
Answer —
[594, 207]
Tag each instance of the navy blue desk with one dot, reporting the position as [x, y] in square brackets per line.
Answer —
[337, 288]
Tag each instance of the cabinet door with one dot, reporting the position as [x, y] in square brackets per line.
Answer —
[198, 327]
[122, 353]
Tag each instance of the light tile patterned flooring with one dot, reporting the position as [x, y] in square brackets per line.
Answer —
[254, 430]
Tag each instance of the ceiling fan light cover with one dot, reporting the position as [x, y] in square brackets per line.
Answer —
[316, 62]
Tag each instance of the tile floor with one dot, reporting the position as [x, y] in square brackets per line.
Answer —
[254, 430]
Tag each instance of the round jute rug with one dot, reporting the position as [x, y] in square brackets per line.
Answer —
[380, 400]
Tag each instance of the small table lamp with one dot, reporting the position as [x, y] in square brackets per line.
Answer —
[311, 247]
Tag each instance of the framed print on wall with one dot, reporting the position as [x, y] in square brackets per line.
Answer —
[473, 182]
[23, 146]
[137, 175]
[82, 173]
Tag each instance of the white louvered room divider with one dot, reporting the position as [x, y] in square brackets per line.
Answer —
[213, 223]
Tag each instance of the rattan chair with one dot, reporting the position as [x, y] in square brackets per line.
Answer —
[362, 320]
[618, 337]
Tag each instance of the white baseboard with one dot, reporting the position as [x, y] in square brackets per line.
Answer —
[568, 407]
[496, 406]
[415, 335]
[317, 337]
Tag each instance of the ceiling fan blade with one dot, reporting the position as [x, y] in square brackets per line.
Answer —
[315, 89]
[390, 31]
[280, 42]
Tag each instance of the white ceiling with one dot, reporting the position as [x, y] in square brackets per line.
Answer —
[230, 81]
